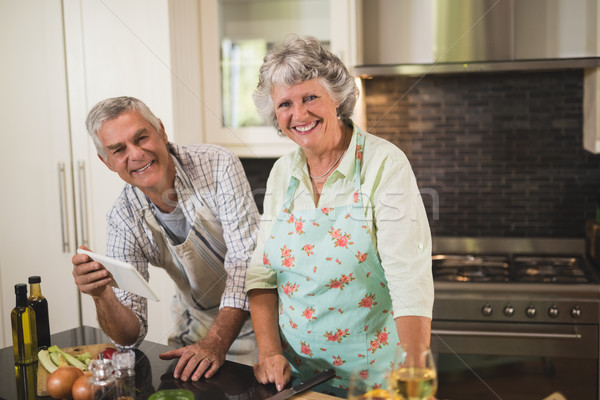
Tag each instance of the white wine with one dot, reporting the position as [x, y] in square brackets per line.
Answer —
[413, 383]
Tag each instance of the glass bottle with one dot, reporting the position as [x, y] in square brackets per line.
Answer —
[103, 379]
[124, 364]
[22, 319]
[40, 305]
[26, 377]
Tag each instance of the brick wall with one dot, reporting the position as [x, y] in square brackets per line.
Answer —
[495, 154]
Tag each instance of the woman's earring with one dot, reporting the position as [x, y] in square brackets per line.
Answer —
[338, 113]
[280, 132]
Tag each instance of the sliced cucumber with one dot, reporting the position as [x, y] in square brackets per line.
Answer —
[74, 362]
[44, 358]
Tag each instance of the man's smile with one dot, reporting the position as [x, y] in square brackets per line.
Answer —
[145, 167]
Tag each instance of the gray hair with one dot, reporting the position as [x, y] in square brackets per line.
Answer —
[297, 59]
[111, 108]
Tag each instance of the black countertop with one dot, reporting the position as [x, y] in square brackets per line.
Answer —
[233, 381]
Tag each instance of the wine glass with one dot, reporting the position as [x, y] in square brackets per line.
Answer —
[413, 376]
[370, 383]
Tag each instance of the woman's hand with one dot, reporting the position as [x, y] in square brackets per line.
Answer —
[273, 369]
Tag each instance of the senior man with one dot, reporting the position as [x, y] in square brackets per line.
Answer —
[188, 210]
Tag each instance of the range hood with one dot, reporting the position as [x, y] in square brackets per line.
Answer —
[416, 37]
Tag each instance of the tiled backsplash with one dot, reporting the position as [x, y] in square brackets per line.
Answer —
[495, 155]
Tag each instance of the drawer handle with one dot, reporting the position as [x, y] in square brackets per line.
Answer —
[443, 332]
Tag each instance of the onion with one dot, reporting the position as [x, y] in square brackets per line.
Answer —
[82, 388]
[60, 382]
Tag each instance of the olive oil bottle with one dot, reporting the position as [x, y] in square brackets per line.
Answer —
[22, 319]
[40, 305]
[26, 377]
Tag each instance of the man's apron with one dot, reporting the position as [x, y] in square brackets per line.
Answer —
[196, 267]
[335, 309]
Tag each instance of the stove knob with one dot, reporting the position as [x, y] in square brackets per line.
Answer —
[553, 311]
[509, 311]
[576, 312]
[487, 310]
[531, 312]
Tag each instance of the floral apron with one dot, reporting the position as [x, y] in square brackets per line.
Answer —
[196, 267]
[335, 309]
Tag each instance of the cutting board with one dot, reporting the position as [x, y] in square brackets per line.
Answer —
[310, 395]
[42, 373]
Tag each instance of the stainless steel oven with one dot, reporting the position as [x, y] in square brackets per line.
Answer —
[515, 319]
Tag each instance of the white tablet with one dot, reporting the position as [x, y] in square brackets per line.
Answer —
[124, 275]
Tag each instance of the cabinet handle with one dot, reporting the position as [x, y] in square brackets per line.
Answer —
[64, 219]
[83, 211]
[506, 334]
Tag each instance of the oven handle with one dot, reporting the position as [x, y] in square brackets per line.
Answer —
[509, 335]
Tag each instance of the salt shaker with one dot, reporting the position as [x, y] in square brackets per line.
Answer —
[124, 365]
[103, 379]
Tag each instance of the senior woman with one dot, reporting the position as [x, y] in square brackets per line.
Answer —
[342, 268]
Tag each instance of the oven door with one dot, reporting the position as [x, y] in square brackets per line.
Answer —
[488, 360]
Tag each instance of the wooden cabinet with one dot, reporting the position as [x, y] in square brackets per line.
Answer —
[210, 25]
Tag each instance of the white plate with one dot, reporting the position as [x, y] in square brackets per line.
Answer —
[125, 276]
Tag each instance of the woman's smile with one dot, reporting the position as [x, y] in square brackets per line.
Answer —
[306, 128]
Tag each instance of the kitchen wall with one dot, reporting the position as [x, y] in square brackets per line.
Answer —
[502, 152]
[495, 154]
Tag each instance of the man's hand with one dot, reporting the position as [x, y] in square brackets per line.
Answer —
[117, 321]
[273, 369]
[90, 276]
[196, 360]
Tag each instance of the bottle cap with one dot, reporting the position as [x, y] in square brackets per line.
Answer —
[35, 279]
[124, 359]
[21, 288]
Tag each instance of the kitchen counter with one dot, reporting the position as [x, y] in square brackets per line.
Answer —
[233, 381]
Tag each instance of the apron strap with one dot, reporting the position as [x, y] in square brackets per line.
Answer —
[289, 194]
[197, 264]
[360, 146]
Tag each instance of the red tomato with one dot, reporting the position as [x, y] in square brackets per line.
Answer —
[107, 353]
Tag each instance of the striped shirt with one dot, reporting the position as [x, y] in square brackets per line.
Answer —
[219, 180]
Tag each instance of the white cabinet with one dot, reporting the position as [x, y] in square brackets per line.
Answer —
[244, 24]
[591, 110]
[59, 59]
[117, 48]
[39, 215]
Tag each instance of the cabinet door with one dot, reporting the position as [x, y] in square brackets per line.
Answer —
[117, 48]
[37, 228]
[234, 36]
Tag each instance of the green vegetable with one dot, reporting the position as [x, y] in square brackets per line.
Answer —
[74, 362]
[56, 354]
[54, 349]
[55, 358]
[84, 357]
[44, 358]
